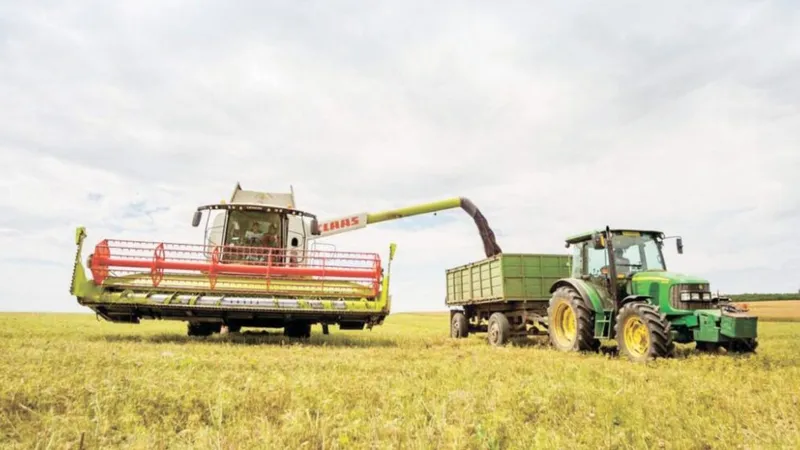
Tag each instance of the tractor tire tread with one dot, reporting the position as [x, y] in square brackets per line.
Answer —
[585, 317]
[657, 324]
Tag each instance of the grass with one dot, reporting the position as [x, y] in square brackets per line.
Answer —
[406, 384]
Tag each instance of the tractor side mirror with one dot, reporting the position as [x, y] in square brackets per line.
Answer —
[679, 244]
[598, 241]
[392, 249]
[196, 218]
[314, 227]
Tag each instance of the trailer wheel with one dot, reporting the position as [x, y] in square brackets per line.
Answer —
[499, 329]
[459, 327]
[643, 333]
[571, 322]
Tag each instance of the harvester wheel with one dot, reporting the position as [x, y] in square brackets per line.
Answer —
[459, 327]
[201, 329]
[499, 329]
[297, 330]
[571, 322]
[643, 333]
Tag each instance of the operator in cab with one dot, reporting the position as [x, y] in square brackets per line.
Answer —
[623, 263]
[254, 236]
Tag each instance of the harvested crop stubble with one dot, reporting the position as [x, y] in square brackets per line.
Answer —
[405, 384]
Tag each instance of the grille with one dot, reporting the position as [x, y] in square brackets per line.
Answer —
[704, 289]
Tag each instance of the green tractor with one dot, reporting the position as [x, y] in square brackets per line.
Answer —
[620, 289]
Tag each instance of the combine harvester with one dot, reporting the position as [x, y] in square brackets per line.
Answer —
[255, 269]
[615, 286]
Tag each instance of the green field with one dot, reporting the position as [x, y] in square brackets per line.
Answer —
[406, 384]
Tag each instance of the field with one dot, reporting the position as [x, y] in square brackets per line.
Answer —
[774, 310]
[67, 379]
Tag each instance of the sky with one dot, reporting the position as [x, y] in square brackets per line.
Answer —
[553, 117]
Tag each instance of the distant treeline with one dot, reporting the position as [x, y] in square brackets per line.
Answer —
[763, 297]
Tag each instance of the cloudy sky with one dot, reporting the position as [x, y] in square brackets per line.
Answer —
[554, 118]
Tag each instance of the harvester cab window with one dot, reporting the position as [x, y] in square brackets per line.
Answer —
[258, 229]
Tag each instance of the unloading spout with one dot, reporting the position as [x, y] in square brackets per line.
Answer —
[358, 221]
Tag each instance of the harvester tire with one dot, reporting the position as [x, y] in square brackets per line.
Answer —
[570, 322]
[499, 330]
[201, 329]
[643, 333]
[459, 327]
[298, 329]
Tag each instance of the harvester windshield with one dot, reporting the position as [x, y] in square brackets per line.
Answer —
[254, 229]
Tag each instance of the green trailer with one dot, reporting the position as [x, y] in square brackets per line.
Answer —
[614, 286]
[506, 295]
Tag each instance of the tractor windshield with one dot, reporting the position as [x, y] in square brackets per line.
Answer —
[636, 252]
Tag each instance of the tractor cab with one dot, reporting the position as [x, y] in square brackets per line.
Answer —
[634, 260]
[628, 252]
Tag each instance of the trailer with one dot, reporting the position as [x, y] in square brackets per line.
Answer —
[505, 295]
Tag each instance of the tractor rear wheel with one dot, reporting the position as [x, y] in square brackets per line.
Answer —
[571, 322]
[643, 333]
[459, 327]
[499, 329]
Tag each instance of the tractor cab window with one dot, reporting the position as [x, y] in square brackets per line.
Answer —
[636, 252]
[596, 260]
[255, 229]
[577, 259]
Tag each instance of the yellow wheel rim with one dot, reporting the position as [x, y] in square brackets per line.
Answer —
[564, 324]
[637, 338]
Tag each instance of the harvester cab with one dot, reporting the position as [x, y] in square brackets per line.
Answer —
[255, 219]
[620, 289]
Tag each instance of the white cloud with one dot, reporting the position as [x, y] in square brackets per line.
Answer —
[553, 119]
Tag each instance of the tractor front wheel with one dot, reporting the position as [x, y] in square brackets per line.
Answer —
[571, 322]
[459, 328]
[643, 333]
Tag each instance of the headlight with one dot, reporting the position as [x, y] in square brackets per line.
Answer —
[695, 296]
[685, 296]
